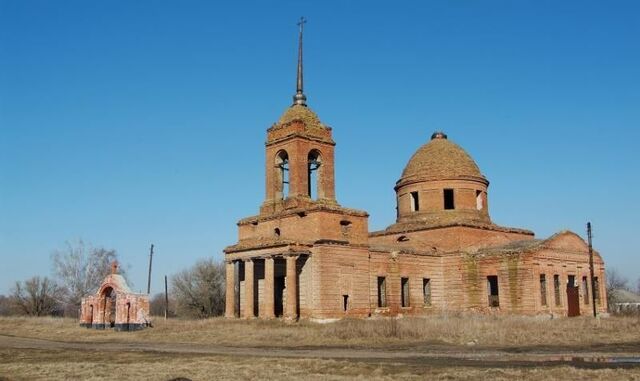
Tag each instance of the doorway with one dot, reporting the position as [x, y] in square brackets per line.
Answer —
[573, 297]
[109, 307]
[278, 288]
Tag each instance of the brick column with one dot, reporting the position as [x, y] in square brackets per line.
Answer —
[98, 312]
[249, 280]
[230, 303]
[268, 305]
[291, 309]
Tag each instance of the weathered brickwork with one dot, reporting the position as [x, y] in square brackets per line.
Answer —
[115, 306]
[305, 256]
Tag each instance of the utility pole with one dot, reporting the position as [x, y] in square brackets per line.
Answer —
[150, 263]
[593, 280]
[166, 299]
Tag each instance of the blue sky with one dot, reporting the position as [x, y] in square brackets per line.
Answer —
[129, 123]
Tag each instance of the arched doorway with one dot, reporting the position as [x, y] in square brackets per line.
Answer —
[109, 307]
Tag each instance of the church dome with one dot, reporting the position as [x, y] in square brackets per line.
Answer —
[440, 158]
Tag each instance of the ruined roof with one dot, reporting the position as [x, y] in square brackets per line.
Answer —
[264, 243]
[120, 283]
[440, 158]
[303, 114]
[299, 121]
[404, 250]
[115, 281]
[520, 246]
[318, 205]
[430, 223]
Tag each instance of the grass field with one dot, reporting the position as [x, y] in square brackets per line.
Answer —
[461, 330]
[383, 349]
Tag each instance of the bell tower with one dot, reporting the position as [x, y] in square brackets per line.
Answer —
[299, 155]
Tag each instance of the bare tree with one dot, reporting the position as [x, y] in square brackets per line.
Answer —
[80, 269]
[638, 286]
[6, 304]
[615, 282]
[37, 297]
[200, 291]
[156, 305]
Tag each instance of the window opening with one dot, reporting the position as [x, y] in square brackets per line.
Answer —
[276, 232]
[415, 202]
[282, 164]
[345, 227]
[426, 290]
[448, 199]
[404, 283]
[543, 289]
[479, 200]
[556, 289]
[492, 286]
[313, 168]
[382, 291]
[585, 290]
[345, 302]
[596, 289]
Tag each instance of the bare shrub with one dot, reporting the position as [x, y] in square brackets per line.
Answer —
[38, 297]
[80, 269]
[615, 282]
[200, 291]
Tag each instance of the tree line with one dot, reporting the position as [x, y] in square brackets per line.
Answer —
[196, 292]
[78, 270]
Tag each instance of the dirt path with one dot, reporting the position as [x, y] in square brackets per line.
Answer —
[594, 358]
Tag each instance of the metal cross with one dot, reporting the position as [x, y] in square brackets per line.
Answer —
[301, 23]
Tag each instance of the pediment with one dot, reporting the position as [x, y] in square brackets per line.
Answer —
[566, 241]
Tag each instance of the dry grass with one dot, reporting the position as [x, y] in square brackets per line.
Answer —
[74, 365]
[454, 330]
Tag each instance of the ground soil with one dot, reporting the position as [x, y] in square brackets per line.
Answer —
[63, 352]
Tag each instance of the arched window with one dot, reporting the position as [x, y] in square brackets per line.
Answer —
[314, 175]
[282, 175]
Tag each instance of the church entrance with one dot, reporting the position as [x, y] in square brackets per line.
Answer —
[573, 297]
[278, 287]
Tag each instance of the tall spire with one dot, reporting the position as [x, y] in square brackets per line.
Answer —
[300, 98]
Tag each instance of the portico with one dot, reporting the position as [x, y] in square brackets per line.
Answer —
[264, 285]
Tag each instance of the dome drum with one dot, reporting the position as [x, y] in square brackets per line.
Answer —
[440, 183]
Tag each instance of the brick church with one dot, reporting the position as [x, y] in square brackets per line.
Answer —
[306, 256]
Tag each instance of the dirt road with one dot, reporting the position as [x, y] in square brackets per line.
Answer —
[600, 357]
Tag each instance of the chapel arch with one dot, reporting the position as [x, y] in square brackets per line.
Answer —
[108, 299]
